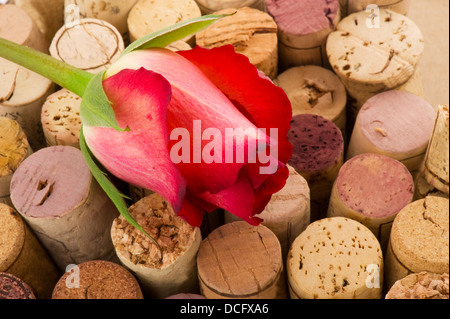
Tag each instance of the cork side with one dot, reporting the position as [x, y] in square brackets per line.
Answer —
[14, 146]
[420, 235]
[335, 258]
[423, 285]
[318, 143]
[12, 287]
[12, 236]
[97, 279]
[158, 219]
[186, 296]
[375, 185]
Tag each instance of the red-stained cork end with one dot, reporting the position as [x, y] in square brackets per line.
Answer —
[12, 287]
[375, 185]
[318, 143]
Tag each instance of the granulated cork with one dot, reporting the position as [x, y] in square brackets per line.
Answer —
[424, 285]
[12, 287]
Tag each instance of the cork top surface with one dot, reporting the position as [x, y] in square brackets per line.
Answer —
[375, 185]
[313, 90]
[393, 42]
[12, 236]
[51, 182]
[61, 116]
[333, 258]
[97, 280]
[15, 23]
[424, 285]
[13, 146]
[239, 260]
[300, 17]
[91, 45]
[420, 235]
[12, 287]
[158, 219]
[318, 143]
[397, 122]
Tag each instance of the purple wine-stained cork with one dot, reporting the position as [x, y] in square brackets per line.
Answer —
[318, 143]
[301, 17]
[51, 182]
[12, 287]
[375, 185]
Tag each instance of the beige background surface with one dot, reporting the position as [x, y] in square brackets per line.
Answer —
[432, 17]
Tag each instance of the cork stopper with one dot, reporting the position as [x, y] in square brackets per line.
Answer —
[210, 6]
[91, 45]
[424, 285]
[335, 258]
[238, 260]
[399, 6]
[97, 279]
[12, 287]
[374, 185]
[12, 236]
[60, 118]
[420, 235]
[14, 146]
[252, 32]
[318, 143]
[186, 296]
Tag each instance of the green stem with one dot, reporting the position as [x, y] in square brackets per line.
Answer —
[61, 73]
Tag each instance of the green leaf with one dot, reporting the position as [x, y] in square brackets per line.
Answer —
[166, 36]
[113, 193]
[95, 109]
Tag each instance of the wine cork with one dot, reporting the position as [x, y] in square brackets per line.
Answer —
[186, 296]
[179, 46]
[60, 117]
[177, 271]
[424, 285]
[396, 124]
[372, 189]
[14, 148]
[315, 90]
[90, 44]
[210, 6]
[97, 279]
[436, 164]
[54, 191]
[373, 53]
[303, 28]
[48, 15]
[399, 6]
[22, 255]
[419, 240]
[288, 212]
[114, 12]
[238, 260]
[335, 258]
[422, 188]
[149, 16]
[12, 287]
[318, 154]
[252, 32]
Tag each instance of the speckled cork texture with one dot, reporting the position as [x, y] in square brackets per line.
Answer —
[335, 258]
[210, 6]
[97, 280]
[238, 260]
[399, 6]
[424, 285]
[12, 287]
[419, 239]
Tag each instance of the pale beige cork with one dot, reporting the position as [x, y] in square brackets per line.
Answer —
[422, 188]
[241, 261]
[315, 90]
[288, 212]
[419, 240]
[177, 271]
[436, 164]
[22, 255]
[376, 53]
[14, 148]
[60, 117]
[89, 44]
[97, 279]
[252, 32]
[335, 258]
[210, 6]
[399, 6]
[424, 285]
[148, 16]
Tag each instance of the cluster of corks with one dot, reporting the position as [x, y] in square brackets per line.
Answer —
[364, 213]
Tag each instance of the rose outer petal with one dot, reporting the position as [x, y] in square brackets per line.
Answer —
[139, 156]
